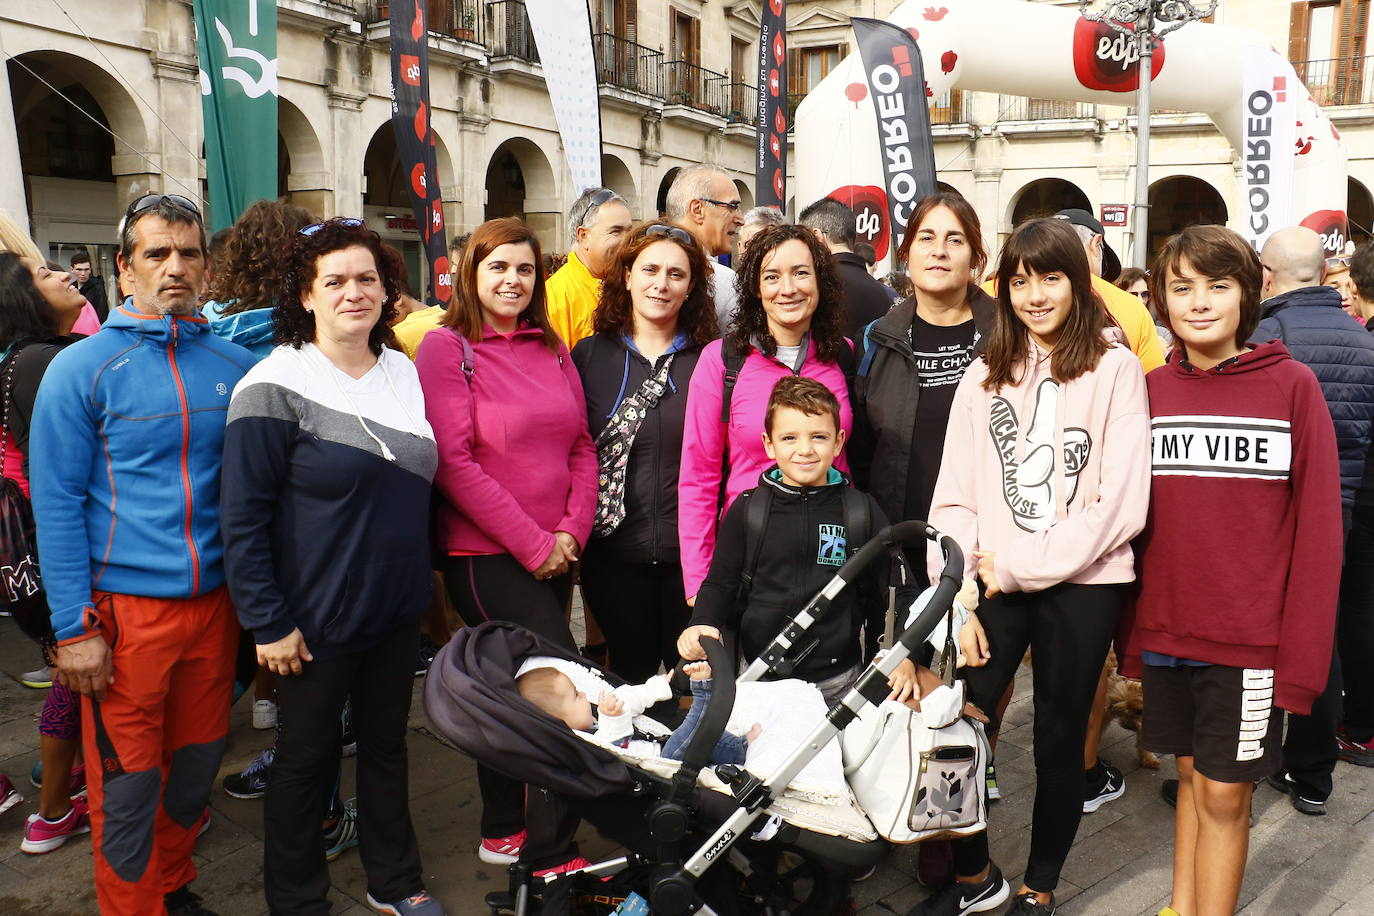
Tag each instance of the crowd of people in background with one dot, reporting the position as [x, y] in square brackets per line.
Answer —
[272, 470]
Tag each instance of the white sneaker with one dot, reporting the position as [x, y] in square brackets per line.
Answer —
[264, 714]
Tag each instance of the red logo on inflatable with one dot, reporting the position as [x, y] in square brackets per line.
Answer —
[410, 69]
[443, 280]
[856, 93]
[870, 214]
[417, 180]
[1106, 59]
[1331, 226]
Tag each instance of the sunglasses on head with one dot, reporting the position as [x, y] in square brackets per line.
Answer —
[149, 201]
[348, 222]
[672, 232]
[1333, 263]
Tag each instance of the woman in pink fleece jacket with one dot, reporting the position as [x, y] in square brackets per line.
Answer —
[790, 322]
[1044, 481]
[516, 477]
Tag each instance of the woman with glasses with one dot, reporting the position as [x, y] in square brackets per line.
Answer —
[328, 460]
[516, 483]
[654, 317]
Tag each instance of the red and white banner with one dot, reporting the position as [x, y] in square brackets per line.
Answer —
[563, 33]
[1270, 93]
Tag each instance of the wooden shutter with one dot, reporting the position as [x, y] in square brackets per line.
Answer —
[796, 78]
[1298, 20]
[629, 27]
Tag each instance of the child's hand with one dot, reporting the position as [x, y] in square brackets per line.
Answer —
[689, 643]
[697, 671]
[987, 571]
[610, 704]
[926, 681]
[903, 682]
[973, 643]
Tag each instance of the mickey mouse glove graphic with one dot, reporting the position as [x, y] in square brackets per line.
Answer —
[1029, 482]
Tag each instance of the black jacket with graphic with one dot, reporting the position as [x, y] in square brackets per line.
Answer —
[802, 546]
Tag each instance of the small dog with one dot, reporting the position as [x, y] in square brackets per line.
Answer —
[1126, 704]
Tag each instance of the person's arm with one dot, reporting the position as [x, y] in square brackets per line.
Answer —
[954, 503]
[579, 510]
[1145, 342]
[1308, 623]
[1032, 561]
[461, 479]
[30, 365]
[715, 605]
[699, 477]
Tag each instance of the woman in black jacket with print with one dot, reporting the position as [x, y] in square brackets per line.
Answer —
[654, 317]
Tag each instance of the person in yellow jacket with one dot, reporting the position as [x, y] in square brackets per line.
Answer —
[597, 221]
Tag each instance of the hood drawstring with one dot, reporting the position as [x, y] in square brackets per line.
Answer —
[332, 372]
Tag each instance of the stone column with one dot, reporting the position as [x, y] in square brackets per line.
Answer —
[13, 202]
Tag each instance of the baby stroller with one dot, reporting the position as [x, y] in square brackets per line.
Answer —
[691, 848]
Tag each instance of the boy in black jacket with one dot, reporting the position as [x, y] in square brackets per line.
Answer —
[803, 541]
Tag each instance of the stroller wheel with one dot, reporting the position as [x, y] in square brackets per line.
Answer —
[789, 881]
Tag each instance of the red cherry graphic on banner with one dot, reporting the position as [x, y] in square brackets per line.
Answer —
[780, 122]
[856, 93]
[870, 214]
[417, 180]
[417, 25]
[1331, 226]
[421, 122]
[1304, 146]
[915, 33]
[779, 48]
[776, 6]
[779, 184]
[929, 94]
[935, 15]
[443, 282]
[947, 61]
[773, 84]
[774, 146]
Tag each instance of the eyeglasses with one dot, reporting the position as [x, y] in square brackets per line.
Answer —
[596, 200]
[348, 222]
[672, 232]
[1333, 263]
[1144, 295]
[149, 201]
[731, 205]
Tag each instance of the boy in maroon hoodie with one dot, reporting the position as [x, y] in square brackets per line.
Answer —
[1239, 562]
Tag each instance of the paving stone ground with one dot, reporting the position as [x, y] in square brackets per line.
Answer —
[1299, 865]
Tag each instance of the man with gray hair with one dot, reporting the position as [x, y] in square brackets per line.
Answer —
[865, 299]
[597, 221]
[756, 219]
[704, 201]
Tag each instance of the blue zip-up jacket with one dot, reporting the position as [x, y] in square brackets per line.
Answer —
[251, 329]
[125, 448]
[1340, 352]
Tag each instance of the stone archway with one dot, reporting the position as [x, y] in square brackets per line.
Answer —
[1046, 197]
[618, 177]
[746, 196]
[302, 177]
[520, 182]
[1181, 201]
[663, 186]
[1359, 208]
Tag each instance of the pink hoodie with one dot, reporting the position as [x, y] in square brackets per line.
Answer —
[705, 445]
[1048, 521]
[516, 462]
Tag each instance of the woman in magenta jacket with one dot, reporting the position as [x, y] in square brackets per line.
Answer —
[790, 321]
[517, 475]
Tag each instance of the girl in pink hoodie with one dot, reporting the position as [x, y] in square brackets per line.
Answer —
[1044, 481]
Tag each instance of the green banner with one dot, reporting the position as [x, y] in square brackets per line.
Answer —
[236, 41]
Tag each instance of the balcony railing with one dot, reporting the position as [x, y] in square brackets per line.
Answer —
[627, 65]
[742, 104]
[1338, 82]
[508, 31]
[1020, 108]
[696, 87]
[952, 108]
[459, 18]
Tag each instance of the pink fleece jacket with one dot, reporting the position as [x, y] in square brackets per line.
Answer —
[705, 443]
[516, 462]
[1054, 479]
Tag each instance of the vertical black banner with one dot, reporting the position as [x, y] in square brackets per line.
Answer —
[897, 86]
[410, 117]
[770, 154]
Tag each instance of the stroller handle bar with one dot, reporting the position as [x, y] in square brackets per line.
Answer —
[697, 753]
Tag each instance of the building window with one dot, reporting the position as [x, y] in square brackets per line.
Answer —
[685, 37]
[1326, 43]
[806, 67]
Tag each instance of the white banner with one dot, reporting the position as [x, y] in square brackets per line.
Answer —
[563, 32]
[1269, 105]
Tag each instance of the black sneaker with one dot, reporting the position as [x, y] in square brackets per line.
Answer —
[1027, 905]
[426, 658]
[1283, 782]
[181, 902]
[1105, 783]
[1170, 792]
[958, 898]
[1351, 751]
[252, 782]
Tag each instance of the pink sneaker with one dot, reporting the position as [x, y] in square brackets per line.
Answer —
[42, 836]
[501, 851]
[9, 795]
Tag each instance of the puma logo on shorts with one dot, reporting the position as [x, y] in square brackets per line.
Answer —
[1256, 702]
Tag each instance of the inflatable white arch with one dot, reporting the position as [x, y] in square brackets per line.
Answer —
[1034, 49]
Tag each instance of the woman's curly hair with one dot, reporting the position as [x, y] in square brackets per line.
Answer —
[244, 276]
[299, 266]
[615, 311]
[750, 323]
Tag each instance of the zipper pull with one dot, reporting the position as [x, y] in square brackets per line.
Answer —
[174, 329]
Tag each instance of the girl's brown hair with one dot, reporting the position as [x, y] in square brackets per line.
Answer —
[1045, 246]
[1212, 252]
[615, 312]
[246, 273]
[751, 323]
[968, 221]
[464, 313]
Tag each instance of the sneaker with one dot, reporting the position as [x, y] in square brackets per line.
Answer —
[1105, 783]
[421, 904]
[348, 744]
[1170, 792]
[38, 679]
[1028, 905]
[344, 834]
[41, 835]
[252, 782]
[1284, 783]
[181, 902]
[9, 795]
[78, 781]
[990, 777]
[958, 898]
[1352, 751]
[204, 823]
[501, 851]
[570, 865]
[264, 714]
[426, 658]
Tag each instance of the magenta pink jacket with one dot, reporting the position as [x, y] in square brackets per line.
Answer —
[516, 462]
[704, 444]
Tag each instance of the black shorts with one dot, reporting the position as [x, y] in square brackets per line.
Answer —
[1224, 718]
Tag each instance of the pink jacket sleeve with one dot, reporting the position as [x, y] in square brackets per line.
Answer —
[699, 479]
[460, 478]
[954, 504]
[1033, 561]
[88, 322]
[580, 510]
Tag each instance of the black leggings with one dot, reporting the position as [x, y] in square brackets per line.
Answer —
[641, 609]
[1068, 628]
[1355, 626]
[497, 587]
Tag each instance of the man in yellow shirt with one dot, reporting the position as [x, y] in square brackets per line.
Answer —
[412, 329]
[598, 220]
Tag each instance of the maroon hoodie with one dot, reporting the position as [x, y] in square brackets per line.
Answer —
[1240, 561]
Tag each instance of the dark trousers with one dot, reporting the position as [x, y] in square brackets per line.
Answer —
[1355, 626]
[1068, 628]
[378, 680]
[641, 609]
[1309, 745]
[498, 588]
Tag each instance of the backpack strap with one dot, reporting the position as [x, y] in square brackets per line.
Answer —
[755, 527]
[734, 362]
[469, 356]
[870, 351]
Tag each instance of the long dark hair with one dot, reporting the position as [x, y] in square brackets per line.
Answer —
[464, 313]
[1044, 246]
[24, 313]
[751, 323]
[615, 312]
[968, 221]
[246, 272]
